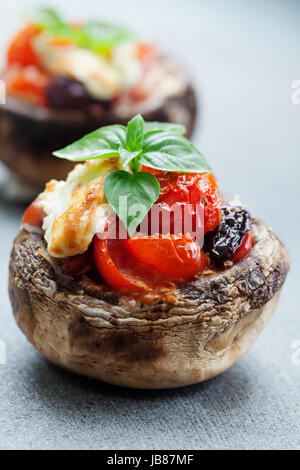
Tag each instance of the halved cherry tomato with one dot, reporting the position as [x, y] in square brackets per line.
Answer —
[34, 214]
[21, 50]
[243, 250]
[118, 269]
[177, 258]
[146, 264]
[29, 83]
[193, 189]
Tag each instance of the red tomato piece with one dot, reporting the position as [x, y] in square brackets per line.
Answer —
[118, 269]
[29, 83]
[193, 189]
[21, 50]
[177, 258]
[243, 250]
[34, 214]
[154, 171]
[125, 264]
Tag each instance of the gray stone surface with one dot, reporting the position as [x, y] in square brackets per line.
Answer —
[244, 57]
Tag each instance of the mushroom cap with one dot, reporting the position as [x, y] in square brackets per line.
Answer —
[29, 134]
[91, 330]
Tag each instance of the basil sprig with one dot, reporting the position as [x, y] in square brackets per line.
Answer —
[154, 144]
[99, 37]
[157, 145]
[131, 195]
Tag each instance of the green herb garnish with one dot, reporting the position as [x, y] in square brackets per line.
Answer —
[99, 37]
[157, 145]
[131, 195]
[44, 17]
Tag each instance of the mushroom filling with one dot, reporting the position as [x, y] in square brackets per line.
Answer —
[152, 166]
[88, 66]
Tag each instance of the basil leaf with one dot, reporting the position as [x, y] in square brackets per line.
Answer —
[101, 38]
[131, 196]
[102, 143]
[45, 17]
[135, 133]
[172, 152]
[50, 20]
[104, 37]
[65, 31]
[164, 126]
[127, 156]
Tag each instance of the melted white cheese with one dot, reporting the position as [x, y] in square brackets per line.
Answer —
[76, 208]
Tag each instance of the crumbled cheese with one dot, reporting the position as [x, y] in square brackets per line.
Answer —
[76, 208]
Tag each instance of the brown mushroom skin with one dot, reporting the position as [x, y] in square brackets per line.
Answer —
[29, 134]
[91, 330]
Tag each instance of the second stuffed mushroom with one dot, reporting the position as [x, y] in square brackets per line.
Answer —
[64, 80]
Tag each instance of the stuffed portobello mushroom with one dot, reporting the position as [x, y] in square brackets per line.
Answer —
[135, 271]
[64, 80]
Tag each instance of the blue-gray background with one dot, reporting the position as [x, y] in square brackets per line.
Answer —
[243, 57]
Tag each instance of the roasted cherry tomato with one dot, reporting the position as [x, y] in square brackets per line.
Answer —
[21, 50]
[118, 269]
[146, 264]
[34, 214]
[29, 83]
[243, 250]
[195, 189]
[177, 258]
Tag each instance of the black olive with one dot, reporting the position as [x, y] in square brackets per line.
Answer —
[66, 93]
[222, 242]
